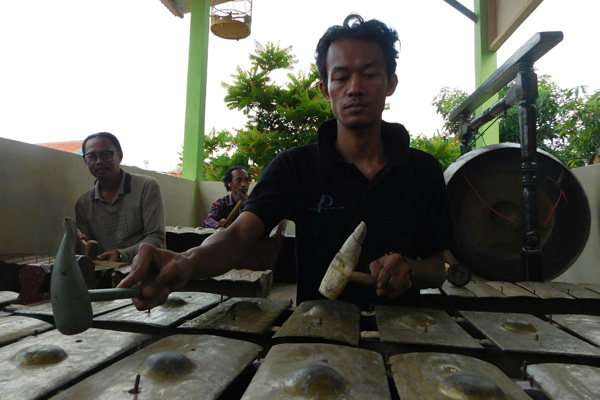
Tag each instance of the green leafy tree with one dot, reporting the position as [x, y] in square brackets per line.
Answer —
[445, 102]
[444, 144]
[548, 107]
[568, 120]
[580, 127]
[445, 149]
[280, 116]
[216, 147]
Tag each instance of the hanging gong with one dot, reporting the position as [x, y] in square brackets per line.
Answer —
[486, 197]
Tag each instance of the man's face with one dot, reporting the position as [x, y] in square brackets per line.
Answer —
[239, 181]
[103, 170]
[357, 86]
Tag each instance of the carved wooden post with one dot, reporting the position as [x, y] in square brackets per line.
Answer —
[531, 252]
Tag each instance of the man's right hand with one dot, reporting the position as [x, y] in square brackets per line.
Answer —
[81, 240]
[223, 223]
[159, 272]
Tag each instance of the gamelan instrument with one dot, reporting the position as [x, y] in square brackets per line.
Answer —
[208, 346]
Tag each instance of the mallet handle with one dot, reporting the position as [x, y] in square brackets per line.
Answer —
[363, 278]
[114, 294]
[237, 207]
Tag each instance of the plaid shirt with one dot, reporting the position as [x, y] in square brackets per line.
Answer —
[219, 210]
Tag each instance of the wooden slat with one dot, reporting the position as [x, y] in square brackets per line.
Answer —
[483, 290]
[215, 361]
[426, 376]
[235, 283]
[250, 315]
[14, 327]
[23, 259]
[7, 296]
[566, 381]
[246, 275]
[45, 309]
[179, 307]
[188, 229]
[104, 265]
[526, 333]
[284, 291]
[326, 319]
[456, 291]
[586, 326]
[85, 352]
[319, 371]
[595, 287]
[509, 289]
[544, 290]
[421, 326]
[576, 291]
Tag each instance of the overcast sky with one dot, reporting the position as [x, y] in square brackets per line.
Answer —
[74, 67]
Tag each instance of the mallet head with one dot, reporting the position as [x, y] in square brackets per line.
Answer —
[341, 268]
[92, 248]
[71, 300]
[71, 305]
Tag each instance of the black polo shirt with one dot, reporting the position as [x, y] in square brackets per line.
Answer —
[405, 207]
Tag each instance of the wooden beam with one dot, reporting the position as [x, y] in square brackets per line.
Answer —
[505, 16]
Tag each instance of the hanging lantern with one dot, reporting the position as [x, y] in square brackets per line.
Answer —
[231, 19]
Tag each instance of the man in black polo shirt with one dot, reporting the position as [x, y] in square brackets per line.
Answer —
[361, 169]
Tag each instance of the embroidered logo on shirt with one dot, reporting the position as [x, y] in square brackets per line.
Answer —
[326, 204]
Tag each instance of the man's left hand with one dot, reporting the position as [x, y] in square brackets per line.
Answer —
[393, 275]
[111, 255]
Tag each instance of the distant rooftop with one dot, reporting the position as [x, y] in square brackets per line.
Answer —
[75, 148]
[69, 147]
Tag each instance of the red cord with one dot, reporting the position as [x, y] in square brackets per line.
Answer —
[561, 194]
[487, 205]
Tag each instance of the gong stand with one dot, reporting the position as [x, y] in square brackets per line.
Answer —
[524, 92]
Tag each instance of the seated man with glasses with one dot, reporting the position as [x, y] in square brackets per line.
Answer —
[121, 210]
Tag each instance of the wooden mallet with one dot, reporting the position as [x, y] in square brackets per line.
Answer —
[237, 208]
[71, 300]
[342, 268]
[92, 248]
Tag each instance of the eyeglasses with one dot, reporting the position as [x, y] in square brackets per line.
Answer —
[105, 155]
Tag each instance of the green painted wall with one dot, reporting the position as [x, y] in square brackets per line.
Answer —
[485, 65]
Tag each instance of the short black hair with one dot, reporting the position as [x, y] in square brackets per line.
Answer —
[356, 28]
[229, 175]
[112, 138]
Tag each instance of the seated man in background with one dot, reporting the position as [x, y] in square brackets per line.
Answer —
[236, 180]
[121, 210]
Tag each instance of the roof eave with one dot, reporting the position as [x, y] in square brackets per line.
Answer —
[177, 7]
